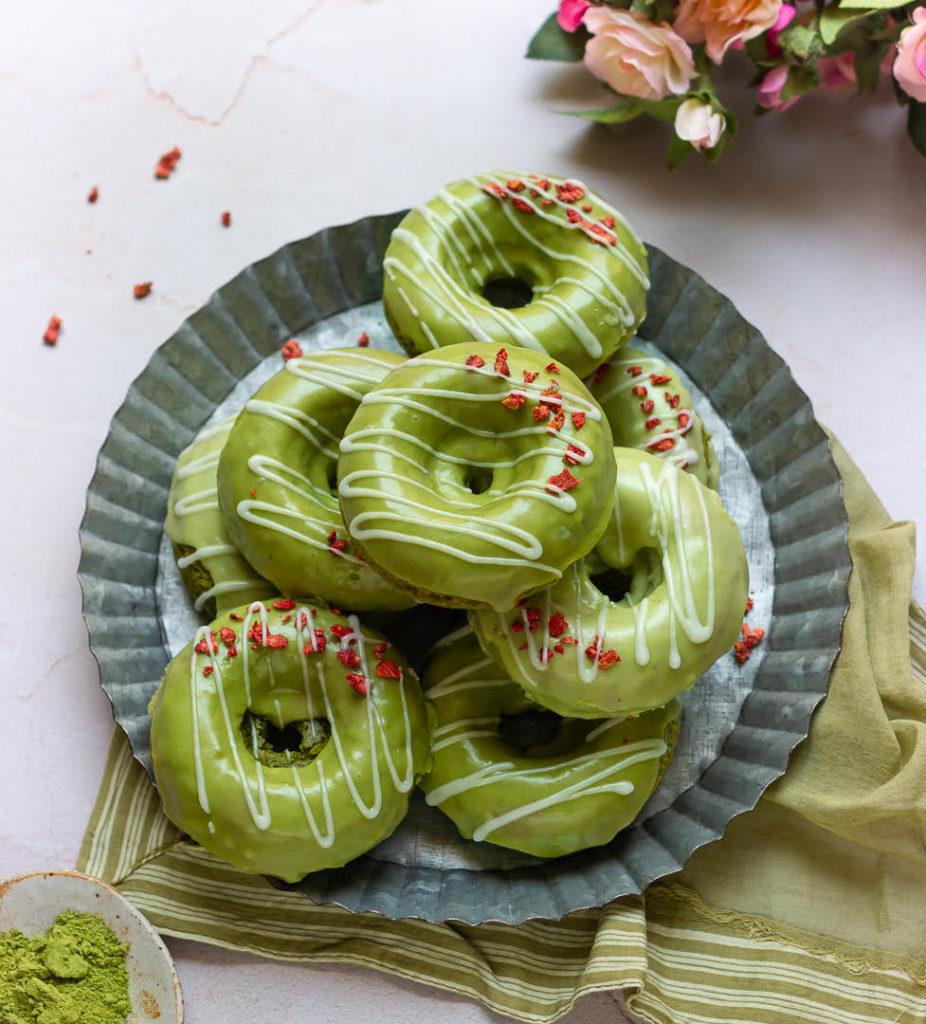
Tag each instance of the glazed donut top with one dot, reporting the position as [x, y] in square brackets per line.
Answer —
[477, 474]
[583, 268]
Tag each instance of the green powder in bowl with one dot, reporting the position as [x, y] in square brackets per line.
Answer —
[74, 973]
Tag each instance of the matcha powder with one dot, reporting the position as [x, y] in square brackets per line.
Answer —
[73, 974]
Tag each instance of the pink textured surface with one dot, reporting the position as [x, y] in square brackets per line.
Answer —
[294, 115]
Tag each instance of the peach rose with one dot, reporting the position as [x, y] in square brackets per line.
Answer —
[698, 123]
[722, 23]
[910, 63]
[635, 56]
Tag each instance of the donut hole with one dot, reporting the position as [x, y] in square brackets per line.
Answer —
[508, 292]
[631, 583]
[532, 731]
[478, 479]
[293, 744]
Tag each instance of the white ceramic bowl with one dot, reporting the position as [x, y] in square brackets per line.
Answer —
[32, 902]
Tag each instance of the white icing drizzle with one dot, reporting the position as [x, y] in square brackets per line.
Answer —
[350, 377]
[503, 773]
[465, 236]
[682, 453]
[206, 501]
[517, 545]
[377, 740]
[672, 527]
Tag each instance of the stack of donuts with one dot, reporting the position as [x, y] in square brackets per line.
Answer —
[523, 465]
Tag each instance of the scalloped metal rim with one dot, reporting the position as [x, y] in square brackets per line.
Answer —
[699, 329]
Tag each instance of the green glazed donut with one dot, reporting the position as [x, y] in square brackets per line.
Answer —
[582, 654]
[215, 575]
[474, 476]
[522, 260]
[649, 408]
[277, 478]
[286, 739]
[508, 772]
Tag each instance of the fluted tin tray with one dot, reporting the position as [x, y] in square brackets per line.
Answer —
[740, 722]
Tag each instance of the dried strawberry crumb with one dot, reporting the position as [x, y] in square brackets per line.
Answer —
[207, 645]
[571, 640]
[647, 406]
[277, 641]
[348, 658]
[541, 412]
[516, 185]
[608, 658]
[653, 423]
[557, 422]
[141, 291]
[573, 455]
[50, 337]
[634, 371]
[332, 609]
[557, 625]
[639, 391]
[363, 340]
[167, 163]
[543, 183]
[546, 202]
[501, 362]
[529, 376]
[673, 400]
[291, 350]
[335, 543]
[658, 379]
[495, 190]
[340, 631]
[608, 221]
[388, 670]
[357, 682]
[516, 627]
[578, 420]
[533, 618]
[514, 400]
[228, 636]
[683, 420]
[234, 616]
[587, 207]
[520, 204]
[574, 217]
[475, 361]
[592, 652]
[569, 192]
[226, 219]
[321, 642]
[563, 481]
[559, 648]
[284, 604]
[207, 671]
[551, 368]
[93, 194]
[749, 605]
[252, 491]
[665, 445]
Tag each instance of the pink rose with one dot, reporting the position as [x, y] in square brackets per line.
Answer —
[769, 94]
[570, 14]
[785, 16]
[635, 56]
[910, 63]
[698, 123]
[721, 23]
[837, 72]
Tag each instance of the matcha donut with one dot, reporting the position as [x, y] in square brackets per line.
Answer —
[581, 653]
[286, 739]
[511, 773]
[521, 260]
[215, 575]
[474, 476]
[649, 408]
[277, 477]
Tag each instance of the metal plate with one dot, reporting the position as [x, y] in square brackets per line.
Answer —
[778, 481]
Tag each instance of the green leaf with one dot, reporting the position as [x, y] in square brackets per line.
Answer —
[550, 42]
[916, 125]
[625, 111]
[800, 41]
[868, 65]
[833, 20]
[678, 150]
[627, 108]
[800, 80]
[871, 5]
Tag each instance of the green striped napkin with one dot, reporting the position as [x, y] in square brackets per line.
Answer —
[810, 909]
